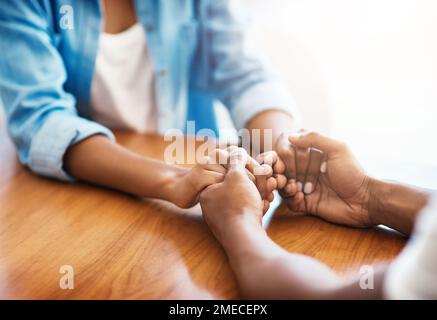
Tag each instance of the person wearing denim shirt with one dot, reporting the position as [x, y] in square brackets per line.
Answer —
[199, 52]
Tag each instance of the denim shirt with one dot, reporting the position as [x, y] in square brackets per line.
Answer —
[198, 48]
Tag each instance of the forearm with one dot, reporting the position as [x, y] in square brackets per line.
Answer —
[278, 122]
[395, 205]
[98, 160]
[266, 271]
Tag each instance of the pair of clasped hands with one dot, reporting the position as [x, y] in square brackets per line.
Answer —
[313, 174]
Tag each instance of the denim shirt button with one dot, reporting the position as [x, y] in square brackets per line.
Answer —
[150, 28]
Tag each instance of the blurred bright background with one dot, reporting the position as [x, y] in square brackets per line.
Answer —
[362, 71]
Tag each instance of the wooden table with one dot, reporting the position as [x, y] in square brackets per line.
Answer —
[122, 247]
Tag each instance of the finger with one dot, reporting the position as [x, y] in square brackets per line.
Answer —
[324, 166]
[313, 171]
[279, 166]
[219, 156]
[270, 197]
[209, 164]
[271, 185]
[302, 162]
[281, 180]
[261, 184]
[291, 188]
[316, 140]
[265, 170]
[286, 153]
[265, 184]
[296, 203]
[266, 206]
[268, 157]
[215, 167]
[251, 164]
[212, 177]
[256, 168]
[229, 150]
[251, 176]
[272, 159]
[237, 159]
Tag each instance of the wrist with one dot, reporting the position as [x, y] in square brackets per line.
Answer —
[395, 205]
[238, 229]
[248, 244]
[169, 182]
[377, 195]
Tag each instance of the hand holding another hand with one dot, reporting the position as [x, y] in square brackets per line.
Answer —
[324, 179]
[341, 193]
[233, 201]
[212, 169]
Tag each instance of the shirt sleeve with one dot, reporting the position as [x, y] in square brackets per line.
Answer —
[413, 275]
[41, 116]
[238, 75]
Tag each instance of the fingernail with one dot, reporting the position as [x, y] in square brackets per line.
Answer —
[299, 186]
[323, 167]
[308, 188]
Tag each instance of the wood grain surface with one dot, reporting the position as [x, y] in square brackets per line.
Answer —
[123, 247]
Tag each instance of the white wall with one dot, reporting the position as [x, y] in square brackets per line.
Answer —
[365, 71]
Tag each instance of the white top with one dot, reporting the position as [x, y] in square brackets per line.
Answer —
[413, 275]
[122, 91]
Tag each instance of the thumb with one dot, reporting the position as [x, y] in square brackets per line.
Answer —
[237, 160]
[315, 140]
